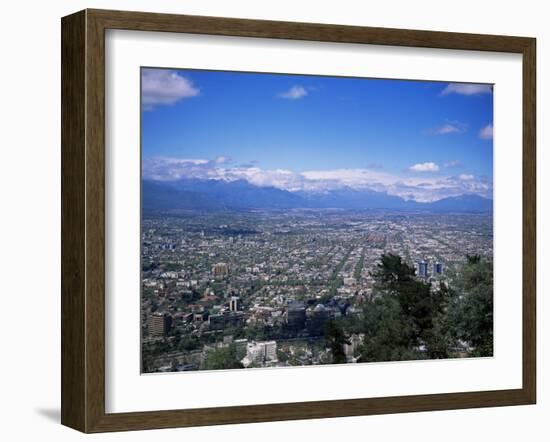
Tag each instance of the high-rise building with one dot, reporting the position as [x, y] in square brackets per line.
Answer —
[220, 270]
[319, 316]
[159, 324]
[296, 315]
[422, 269]
[234, 303]
[437, 268]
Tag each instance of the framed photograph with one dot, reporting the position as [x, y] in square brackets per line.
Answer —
[267, 221]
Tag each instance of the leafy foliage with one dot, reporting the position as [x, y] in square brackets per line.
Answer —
[222, 358]
[472, 310]
[408, 319]
[335, 338]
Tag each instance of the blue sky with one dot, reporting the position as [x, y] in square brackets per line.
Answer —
[416, 139]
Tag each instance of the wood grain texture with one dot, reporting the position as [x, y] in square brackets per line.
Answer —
[73, 129]
[529, 221]
[83, 220]
[144, 21]
[95, 222]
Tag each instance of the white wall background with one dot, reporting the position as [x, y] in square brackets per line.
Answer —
[30, 216]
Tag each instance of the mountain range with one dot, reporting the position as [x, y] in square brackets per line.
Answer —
[217, 195]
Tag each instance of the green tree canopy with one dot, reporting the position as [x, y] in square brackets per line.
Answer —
[222, 358]
[408, 319]
[335, 338]
[472, 311]
[406, 315]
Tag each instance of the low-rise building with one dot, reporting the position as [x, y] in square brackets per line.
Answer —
[260, 353]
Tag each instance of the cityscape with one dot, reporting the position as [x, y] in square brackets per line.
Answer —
[267, 261]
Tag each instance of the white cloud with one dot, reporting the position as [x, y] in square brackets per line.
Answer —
[294, 93]
[162, 87]
[172, 169]
[280, 178]
[486, 133]
[222, 159]
[452, 127]
[467, 89]
[420, 188]
[437, 188]
[424, 167]
[448, 129]
[318, 180]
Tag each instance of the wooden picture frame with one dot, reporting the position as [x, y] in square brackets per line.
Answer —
[83, 220]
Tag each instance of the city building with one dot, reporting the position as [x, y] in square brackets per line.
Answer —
[287, 275]
[422, 269]
[159, 324]
[260, 353]
[234, 303]
[220, 270]
[240, 347]
[319, 316]
[200, 316]
[296, 315]
[350, 281]
[232, 319]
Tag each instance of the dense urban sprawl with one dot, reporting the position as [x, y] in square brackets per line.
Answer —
[258, 288]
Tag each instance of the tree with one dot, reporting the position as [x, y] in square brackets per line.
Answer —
[282, 356]
[391, 273]
[417, 303]
[256, 332]
[387, 333]
[472, 310]
[189, 343]
[405, 316]
[408, 319]
[222, 358]
[440, 338]
[335, 338]
[174, 364]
